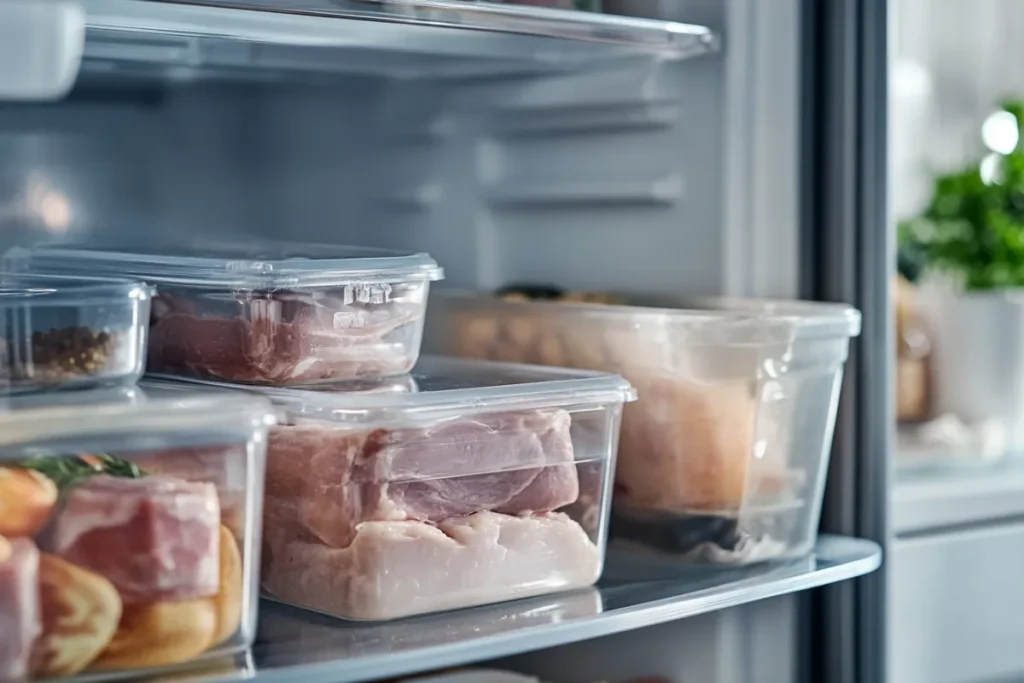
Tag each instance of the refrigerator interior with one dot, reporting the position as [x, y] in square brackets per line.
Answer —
[633, 172]
[957, 514]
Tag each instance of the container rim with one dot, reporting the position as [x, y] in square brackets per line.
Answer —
[252, 266]
[806, 319]
[136, 410]
[20, 289]
[541, 387]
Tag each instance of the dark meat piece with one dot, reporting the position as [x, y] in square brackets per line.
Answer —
[283, 338]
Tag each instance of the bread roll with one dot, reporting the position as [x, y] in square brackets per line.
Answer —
[26, 501]
[81, 611]
[160, 634]
[228, 601]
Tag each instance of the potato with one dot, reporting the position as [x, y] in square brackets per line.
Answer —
[26, 501]
[81, 611]
[228, 601]
[160, 634]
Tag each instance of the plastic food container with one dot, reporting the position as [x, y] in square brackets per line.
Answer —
[270, 315]
[128, 529]
[488, 482]
[723, 457]
[70, 332]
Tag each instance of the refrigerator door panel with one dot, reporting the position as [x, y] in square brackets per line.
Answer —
[849, 257]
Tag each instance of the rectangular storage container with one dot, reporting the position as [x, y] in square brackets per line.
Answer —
[485, 482]
[70, 332]
[129, 529]
[723, 457]
[268, 314]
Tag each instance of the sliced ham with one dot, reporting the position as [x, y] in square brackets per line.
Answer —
[20, 619]
[397, 569]
[155, 538]
[280, 338]
[327, 480]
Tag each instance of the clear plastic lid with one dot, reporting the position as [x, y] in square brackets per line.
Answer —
[131, 414]
[711, 320]
[242, 265]
[445, 388]
[18, 290]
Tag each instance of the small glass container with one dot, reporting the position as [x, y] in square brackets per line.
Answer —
[60, 332]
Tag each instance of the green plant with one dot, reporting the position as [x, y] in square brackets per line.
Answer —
[973, 229]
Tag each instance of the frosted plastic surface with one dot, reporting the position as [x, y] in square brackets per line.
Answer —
[723, 457]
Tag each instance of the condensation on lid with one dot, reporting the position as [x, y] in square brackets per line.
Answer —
[443, 388]
[255, 265]
[129, 410]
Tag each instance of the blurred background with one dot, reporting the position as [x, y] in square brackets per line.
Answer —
[956, 190]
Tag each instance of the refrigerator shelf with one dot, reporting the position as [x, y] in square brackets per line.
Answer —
[297, 646]
[268, 39]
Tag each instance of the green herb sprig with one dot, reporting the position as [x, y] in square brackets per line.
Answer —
[68, 472]
[973, 228]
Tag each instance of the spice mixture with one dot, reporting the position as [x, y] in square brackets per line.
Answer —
[65, 353]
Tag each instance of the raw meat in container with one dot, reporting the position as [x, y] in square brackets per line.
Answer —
[267, 313]
[720, 458]
[108, 565]
[20, 623]
[387, 505]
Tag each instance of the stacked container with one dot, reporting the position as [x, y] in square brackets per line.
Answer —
[128, 529]
[723, 458]
[393, 487]
[129, 518]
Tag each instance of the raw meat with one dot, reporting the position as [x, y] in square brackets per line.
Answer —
[280, 339]
[154, 538]
[20, 620]
[397, 569]
[328, 480]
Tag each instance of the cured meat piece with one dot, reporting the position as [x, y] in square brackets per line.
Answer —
[20, 620]
[280, 339]
[328, 480]
[155, 538]
[397, 569]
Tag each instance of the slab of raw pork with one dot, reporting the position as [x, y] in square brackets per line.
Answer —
[20, 616]
[155, 538]
[277, 339]
[327, 480]
[397, 569]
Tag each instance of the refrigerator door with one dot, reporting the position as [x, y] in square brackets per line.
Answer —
[849, 256]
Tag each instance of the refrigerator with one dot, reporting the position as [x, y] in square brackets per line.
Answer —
[722, 147]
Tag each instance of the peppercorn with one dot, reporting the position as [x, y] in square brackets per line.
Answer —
[66, 353]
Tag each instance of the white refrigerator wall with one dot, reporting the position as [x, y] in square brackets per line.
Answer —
[655, 176]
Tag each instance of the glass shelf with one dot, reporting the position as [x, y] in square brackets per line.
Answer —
[294, 646]
[397, 38]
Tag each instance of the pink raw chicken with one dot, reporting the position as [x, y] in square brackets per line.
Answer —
[397, 569]
[328, 480]
[154, 538]
[20, 616]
